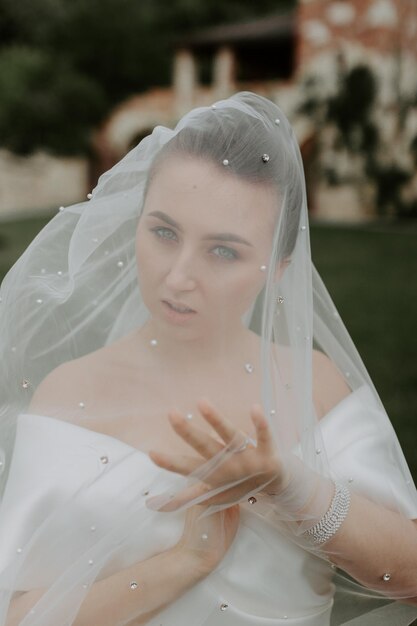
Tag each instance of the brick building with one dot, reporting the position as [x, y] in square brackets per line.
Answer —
[275, 56]
[292, 58]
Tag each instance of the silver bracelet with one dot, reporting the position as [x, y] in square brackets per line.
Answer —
[333, 518]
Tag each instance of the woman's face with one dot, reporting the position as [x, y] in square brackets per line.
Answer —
[202, 239]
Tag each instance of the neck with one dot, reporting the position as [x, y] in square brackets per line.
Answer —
[214, 349]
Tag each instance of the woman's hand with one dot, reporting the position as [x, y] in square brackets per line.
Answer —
[205, 542]
[246, 470]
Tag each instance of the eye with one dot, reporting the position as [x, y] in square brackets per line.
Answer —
[164, 233]
[226, 253]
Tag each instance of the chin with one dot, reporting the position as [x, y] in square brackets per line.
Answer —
[181, 333]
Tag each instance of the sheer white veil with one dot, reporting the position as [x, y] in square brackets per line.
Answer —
[75, 291]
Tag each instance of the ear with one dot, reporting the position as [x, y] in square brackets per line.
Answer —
[280, 268]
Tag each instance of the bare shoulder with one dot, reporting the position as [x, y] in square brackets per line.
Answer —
[329, 385]
[58, 388]
[84, 379]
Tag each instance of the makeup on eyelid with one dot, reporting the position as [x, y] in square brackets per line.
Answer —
[233, 253]
[212, 236]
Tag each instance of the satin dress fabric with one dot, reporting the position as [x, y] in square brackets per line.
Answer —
[60, 471]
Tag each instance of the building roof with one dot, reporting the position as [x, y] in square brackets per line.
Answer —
[273, 26]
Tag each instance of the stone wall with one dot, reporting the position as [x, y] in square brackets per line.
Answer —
[384, 26]
[39, 183]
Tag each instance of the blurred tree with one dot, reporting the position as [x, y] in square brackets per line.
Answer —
[356, 114]
[45, 103]
[351, 109]
[91, 55]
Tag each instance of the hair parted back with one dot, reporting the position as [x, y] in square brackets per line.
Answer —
[255, 149]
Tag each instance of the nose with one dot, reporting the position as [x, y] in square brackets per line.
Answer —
[181, 275]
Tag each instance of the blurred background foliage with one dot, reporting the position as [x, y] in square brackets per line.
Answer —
[64, 60]
[353, 112]
[39, 95]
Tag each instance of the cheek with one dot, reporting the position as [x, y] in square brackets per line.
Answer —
[241, 290]
[146, 260]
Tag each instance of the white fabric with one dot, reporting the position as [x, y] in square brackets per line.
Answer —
[264, 578]
[362, 446]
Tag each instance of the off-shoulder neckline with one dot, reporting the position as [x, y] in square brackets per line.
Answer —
[104, 436]
[337, 406]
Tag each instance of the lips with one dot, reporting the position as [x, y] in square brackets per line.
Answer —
[179, 307]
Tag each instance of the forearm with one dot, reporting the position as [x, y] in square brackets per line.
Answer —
[161, 580]
[373, 541]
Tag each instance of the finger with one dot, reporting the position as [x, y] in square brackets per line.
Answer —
[220, 424]
[198, 495]
[181, 464]
[265, 443]
[184, 497]
[198, 439]
[231, 495]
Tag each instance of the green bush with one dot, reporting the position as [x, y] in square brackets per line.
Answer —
[45, 103]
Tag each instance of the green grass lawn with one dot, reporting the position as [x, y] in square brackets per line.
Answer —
[370, 272]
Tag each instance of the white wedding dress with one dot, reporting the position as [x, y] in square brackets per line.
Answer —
[264, 578]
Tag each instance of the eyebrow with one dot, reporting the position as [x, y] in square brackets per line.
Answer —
[211, 237]
[165, 218]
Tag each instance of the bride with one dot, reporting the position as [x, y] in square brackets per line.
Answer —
[193, 438]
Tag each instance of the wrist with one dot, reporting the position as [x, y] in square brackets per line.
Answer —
[277, 485]
[298, 493]
[197, 566]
